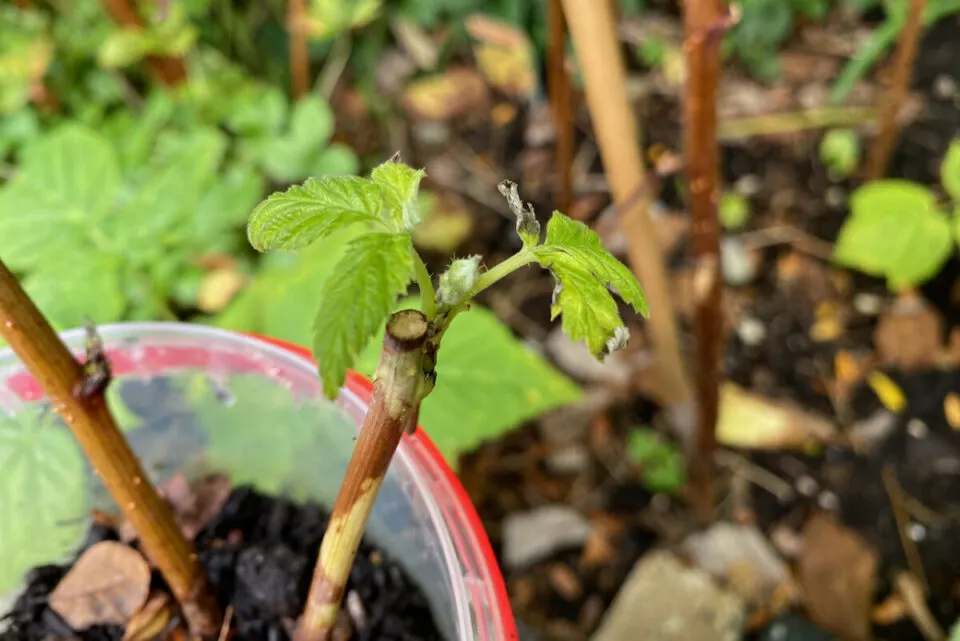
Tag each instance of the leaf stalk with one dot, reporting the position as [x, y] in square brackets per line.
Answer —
[428, 294]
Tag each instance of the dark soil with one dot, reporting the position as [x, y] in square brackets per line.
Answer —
[259, 551]
[922, 450]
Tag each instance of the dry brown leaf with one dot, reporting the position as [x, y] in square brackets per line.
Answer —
[849, 369]
[837, 574]
[951, 409]
[909, 335]
[445, 96]
[152, 619]
[204, 501]
[218, 288]
[889, 611]
[107, 585]
[752, 421]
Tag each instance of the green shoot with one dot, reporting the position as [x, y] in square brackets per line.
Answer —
[379, 265]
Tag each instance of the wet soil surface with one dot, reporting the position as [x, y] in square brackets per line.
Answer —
[259, 551]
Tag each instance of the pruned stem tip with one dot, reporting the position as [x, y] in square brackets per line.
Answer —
[398, 388]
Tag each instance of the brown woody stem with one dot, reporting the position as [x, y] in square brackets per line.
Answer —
[398, 388]
[84, 409]
[299, 59]
[879, 156]
[703, 22]
[169, 71]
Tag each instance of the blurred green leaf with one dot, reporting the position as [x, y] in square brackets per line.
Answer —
[840, 151]
[65, 184]
[895, 230]
[734, 210]
[71, 287]
[335, 160]
[327, 18]
[950, 171]
[25, 54]
[660, 463]
[125, 47]
[43, 494]
[244, 443]
[16, 129]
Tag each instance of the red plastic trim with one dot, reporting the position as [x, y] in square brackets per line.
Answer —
[355, 380]
[152, 358]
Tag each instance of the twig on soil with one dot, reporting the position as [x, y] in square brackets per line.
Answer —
[168, 71]
[913, 595]
[595, 40]
[902, 516]
[396, 397]
[225, 628]
[77, 393]
[893, 99]
[299, 60]
[759, 476]
[794, 122]
[704, 25]
[561, 99]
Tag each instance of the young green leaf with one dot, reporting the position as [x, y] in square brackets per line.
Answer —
[894, 230]
[376, 269]
[950, 171]
[586, 274]
[527, 226]
[399, 185]
[306, 213]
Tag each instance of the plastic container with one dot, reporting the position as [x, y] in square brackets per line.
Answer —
[237, 399]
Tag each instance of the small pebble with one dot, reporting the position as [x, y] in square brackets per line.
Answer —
[944, 86]
[917, 428]
[807, 486]
[751, 331]
[916, 532]
[749, 185]
[867, 304]
[739, 267]
[828, 501]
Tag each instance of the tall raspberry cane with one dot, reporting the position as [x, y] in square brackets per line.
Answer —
[360, 298]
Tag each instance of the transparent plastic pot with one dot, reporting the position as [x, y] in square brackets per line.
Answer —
[237, 398]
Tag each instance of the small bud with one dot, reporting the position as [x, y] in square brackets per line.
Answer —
[527, 226]
[459, 279]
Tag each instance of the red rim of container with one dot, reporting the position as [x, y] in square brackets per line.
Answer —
[356, 382]
[28, 388]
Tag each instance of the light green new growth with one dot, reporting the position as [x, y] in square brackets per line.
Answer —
[898, 230]
[380, 263]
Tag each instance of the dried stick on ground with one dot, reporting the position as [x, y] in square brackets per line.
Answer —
[396, 398]
[77, 394]
[894, 97]
[704, 24]
[299, 60]
[597, 46]
[167, 70]
[561, 100]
